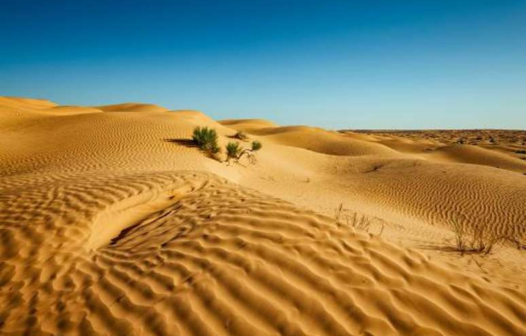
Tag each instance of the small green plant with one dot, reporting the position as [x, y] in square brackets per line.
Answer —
[256, 145]
[206, 139]
[235, 152]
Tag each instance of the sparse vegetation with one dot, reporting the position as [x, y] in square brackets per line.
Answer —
[206, 139]
[235, 152]
[355, 221]
[520, 151]
[256, 145]
[240, 135]
[480, 239]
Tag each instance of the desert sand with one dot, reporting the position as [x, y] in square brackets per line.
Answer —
[112, 224]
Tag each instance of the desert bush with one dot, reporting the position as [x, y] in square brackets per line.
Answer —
[256, 145]
[206, 139]
[520, 151]
[234, 151]
[240, 135]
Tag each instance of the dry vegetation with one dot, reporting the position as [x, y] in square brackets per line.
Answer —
[240, 135]
[481, 239]
[473, 137]
[356, 221]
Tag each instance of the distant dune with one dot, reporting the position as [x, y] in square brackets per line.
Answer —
[312, 138]
[112, 224]
[132, 107]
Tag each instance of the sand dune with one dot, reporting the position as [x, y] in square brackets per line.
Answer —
[112, 225]
[26, 103]
[248, 124]
[439, 194]
[314, 139]
[132, 107]
[493, 148]
[480, 156]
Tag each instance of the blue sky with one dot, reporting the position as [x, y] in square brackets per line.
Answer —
[335, 64]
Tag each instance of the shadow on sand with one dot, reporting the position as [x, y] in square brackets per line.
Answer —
[182, 142]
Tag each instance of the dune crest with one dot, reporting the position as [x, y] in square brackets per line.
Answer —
[27, 103]
[132, 107]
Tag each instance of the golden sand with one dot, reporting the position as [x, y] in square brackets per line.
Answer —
[110, 225]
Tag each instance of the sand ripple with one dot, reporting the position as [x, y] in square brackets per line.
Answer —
[196, 255]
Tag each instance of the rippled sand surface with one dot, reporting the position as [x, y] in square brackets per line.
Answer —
[112, 224]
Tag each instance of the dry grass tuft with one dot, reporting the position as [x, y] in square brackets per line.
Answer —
[481, 239]
[356, 221]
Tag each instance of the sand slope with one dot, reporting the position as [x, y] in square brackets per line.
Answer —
[111, 224]
[26, 103]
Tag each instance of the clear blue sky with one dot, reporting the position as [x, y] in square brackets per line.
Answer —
[336, 64]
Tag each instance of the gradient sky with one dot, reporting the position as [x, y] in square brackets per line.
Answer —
[335, 64]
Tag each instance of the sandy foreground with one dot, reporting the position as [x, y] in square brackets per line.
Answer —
[112, 224]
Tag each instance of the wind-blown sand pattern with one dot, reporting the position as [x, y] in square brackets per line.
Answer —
[110, 225]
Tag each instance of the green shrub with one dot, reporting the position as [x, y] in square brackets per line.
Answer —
[233, 150]
[256, 145]
[206, 139]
